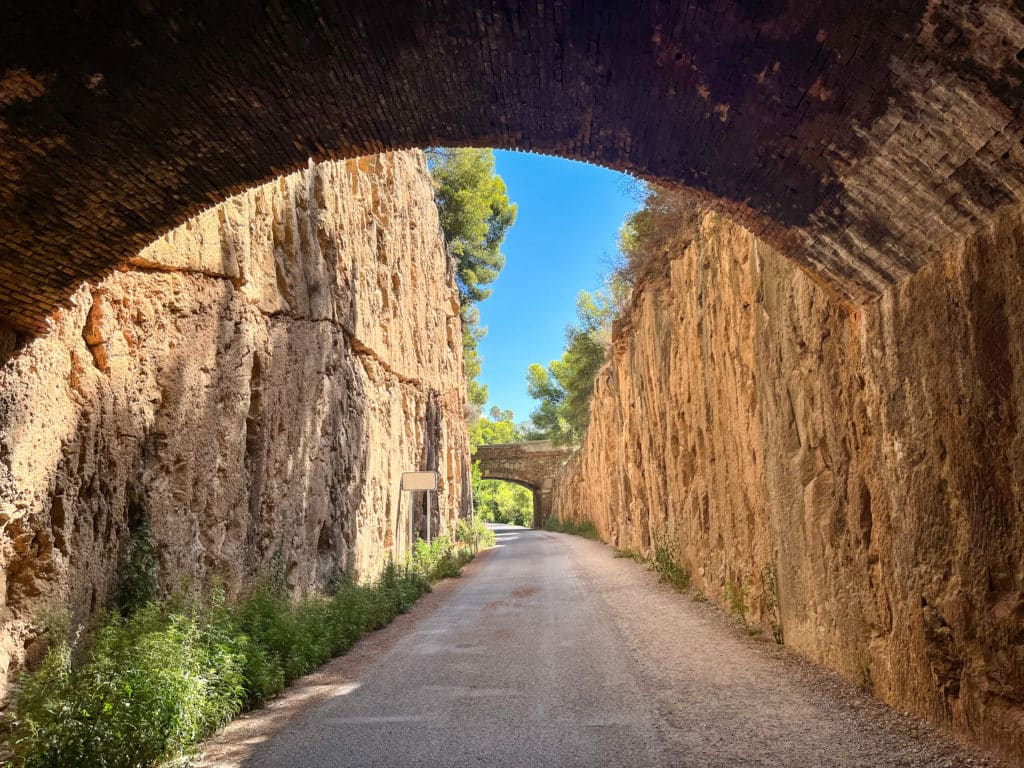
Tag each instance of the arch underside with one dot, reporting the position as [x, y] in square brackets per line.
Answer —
[859, 139]
[527, 484]
[539, 491]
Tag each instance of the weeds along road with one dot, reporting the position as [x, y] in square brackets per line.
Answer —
[551, 652]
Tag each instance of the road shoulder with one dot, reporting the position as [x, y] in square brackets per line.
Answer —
[232, 746]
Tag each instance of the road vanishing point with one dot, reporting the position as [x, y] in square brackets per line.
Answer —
[552, 652]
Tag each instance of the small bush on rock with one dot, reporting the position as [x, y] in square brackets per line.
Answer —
[736, 599]
[669, 571]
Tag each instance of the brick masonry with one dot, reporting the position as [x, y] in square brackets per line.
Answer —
[860, 139]
[532, 464]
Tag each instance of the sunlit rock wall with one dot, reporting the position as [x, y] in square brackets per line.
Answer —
[855, 475]
[253, 384]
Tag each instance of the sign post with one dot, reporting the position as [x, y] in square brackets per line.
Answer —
[418, 481]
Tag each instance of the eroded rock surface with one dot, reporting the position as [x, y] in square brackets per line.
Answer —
[253, 383]
[851, 478]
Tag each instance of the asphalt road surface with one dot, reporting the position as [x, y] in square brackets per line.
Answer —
[551, 652]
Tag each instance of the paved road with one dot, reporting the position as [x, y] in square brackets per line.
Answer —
[550, 652]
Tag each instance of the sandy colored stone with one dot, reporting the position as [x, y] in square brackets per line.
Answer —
[855, 471]
[254, 383]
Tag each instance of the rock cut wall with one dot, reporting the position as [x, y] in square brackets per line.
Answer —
[854, 476]
[253, 384]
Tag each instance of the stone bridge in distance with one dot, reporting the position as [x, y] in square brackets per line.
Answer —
[531, 464]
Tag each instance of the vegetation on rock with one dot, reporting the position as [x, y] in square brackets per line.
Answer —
[584, 528]
[137, 586]
[669, 571]
[735, 597]
[664, 224]
[156, 678]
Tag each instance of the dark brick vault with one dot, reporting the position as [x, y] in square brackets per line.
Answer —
[858, 138]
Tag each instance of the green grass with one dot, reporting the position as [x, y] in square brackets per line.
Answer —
[631, 554]
[669, 571]
[147, 687]
[157, 677]
[586, 529]
[735, 595]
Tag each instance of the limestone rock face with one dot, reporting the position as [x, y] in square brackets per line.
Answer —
[253, 384]
[854, 476]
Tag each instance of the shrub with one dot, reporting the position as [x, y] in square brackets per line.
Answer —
[475, 535]
[669, 571]
[286, 634]
[150, 685]
[585, 528]
[448, 566]
[137, 586]
[735, 598]
[436, 560]
[630, 554]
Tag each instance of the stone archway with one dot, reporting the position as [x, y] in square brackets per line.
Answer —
[859, 139]
[531, 464]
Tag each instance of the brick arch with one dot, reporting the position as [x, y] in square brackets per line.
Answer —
[531, 464]
[858, 138]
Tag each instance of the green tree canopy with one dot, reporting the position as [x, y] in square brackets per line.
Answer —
[475, 215]
[497, 427]
[663, 223]
[564, 389]
[471, 336]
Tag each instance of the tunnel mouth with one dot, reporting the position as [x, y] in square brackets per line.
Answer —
[510, 509]
[771, 115]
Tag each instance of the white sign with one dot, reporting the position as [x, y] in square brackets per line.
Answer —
[419, 481]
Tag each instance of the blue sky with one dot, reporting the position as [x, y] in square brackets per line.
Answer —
[569, 215]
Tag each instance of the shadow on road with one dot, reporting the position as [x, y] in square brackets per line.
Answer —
[506, 534]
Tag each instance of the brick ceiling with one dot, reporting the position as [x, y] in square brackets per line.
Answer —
[859, 138]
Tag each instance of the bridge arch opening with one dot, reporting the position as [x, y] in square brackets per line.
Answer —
[506, 500]
[531, 464]
[825, 128]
